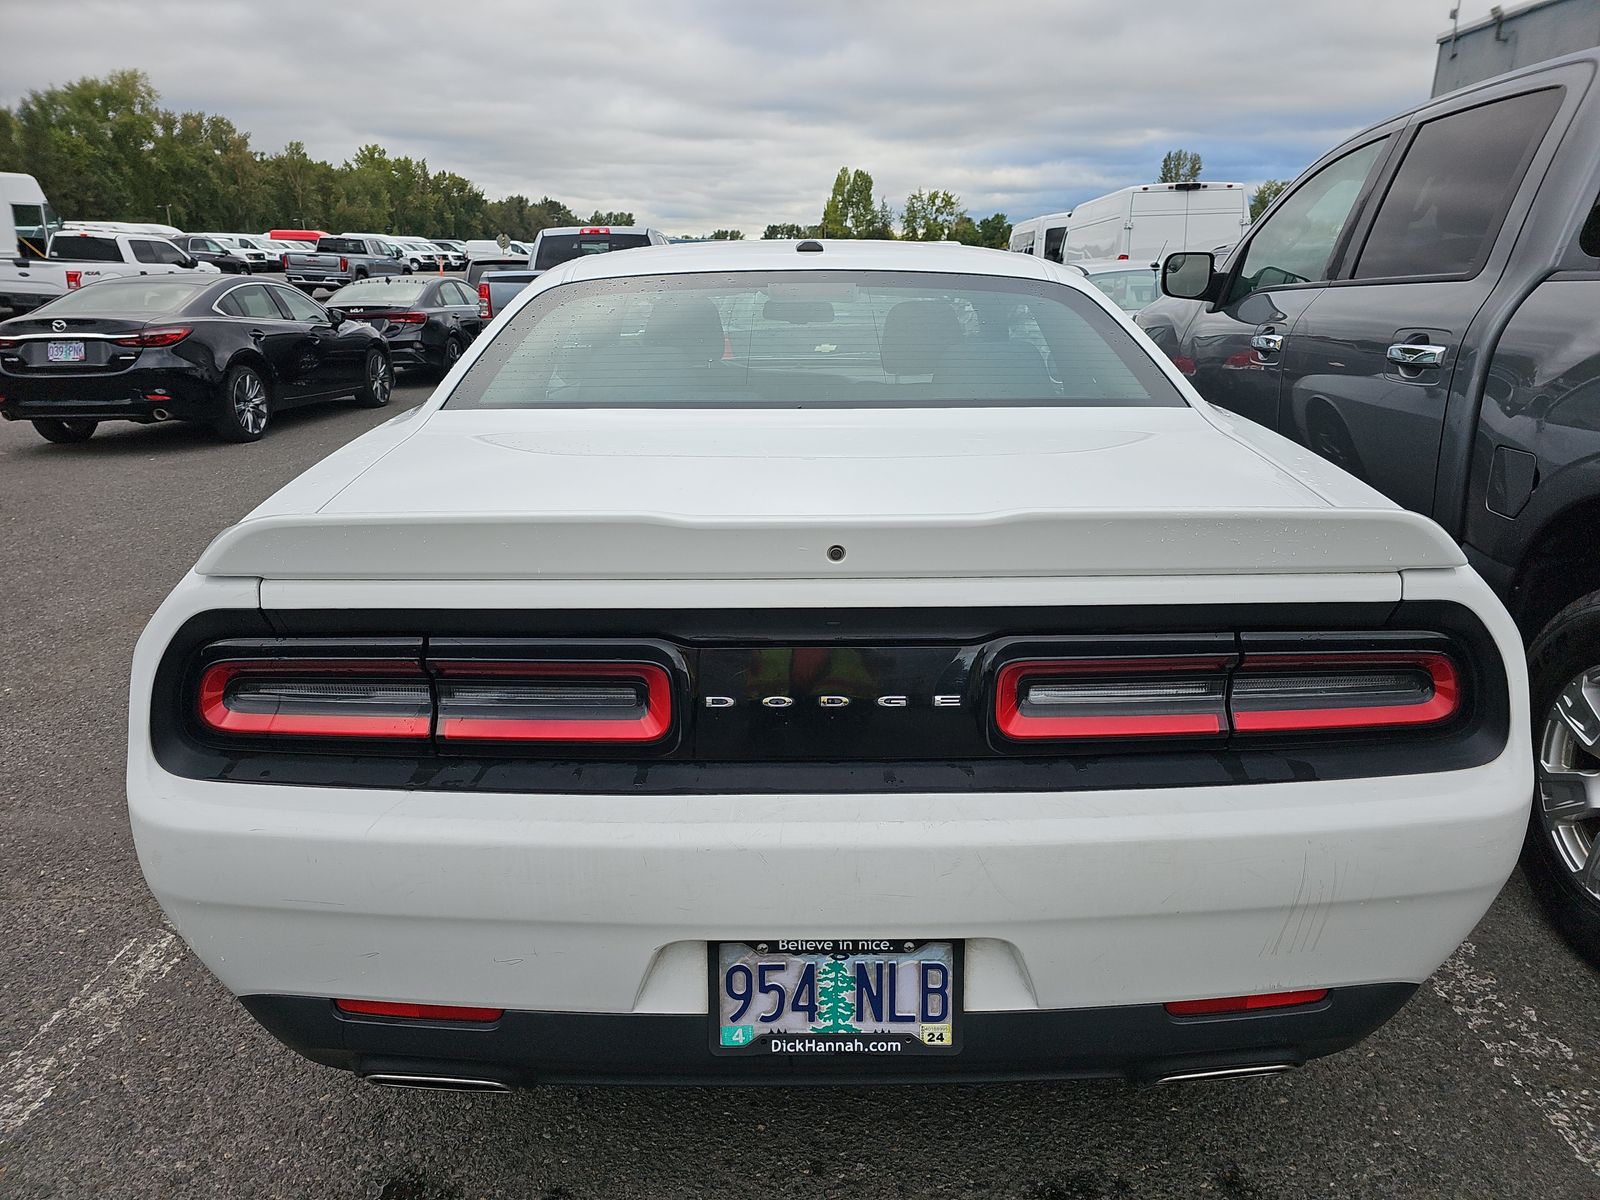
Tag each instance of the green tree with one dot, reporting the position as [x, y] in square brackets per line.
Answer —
[727, 235]
[611, 218]
[1264, 195]
[931, 216]
[789, 232]
[851, 211]
[1180, 166]
[836, 998]
[994, 231]
[89, 143]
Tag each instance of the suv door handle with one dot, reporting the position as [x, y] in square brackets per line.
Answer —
[1413, 354]
[1267, 343]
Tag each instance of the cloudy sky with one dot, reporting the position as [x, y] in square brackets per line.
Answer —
[698, 115]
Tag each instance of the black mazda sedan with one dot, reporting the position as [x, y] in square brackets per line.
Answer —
[426, 319]
[222, 352]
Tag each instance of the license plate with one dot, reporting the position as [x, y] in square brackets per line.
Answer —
[63, 351]
[849, 996]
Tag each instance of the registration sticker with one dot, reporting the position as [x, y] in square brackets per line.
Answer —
[835, 996]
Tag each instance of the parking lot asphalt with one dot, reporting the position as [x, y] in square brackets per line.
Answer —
[129, 1072]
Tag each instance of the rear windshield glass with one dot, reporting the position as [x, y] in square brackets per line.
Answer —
[77, 248]
[813, 339]
[557, 248]
[378, 292]
[341, 246]
[135, 297]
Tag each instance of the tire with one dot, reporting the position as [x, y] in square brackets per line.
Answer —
[453, 349]
[246, 405]
[1564, 826]
[65, 431]
[378, 376]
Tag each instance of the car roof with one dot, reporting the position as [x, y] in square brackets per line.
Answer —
[1100, 266]
[690, 257]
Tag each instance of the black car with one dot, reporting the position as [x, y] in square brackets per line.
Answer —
[426, 319]
[211, 251]
[223, 352]
[1420, 307]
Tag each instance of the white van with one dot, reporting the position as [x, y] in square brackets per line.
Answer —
[1145, 223]
[1040, 235]
[27, 223]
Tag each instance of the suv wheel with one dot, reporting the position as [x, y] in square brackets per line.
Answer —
[1561, 856]
[378, 380]
[246, 405]
[65, 431]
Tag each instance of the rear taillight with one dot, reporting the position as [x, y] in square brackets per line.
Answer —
[1239, 1004]
[166, 335]
[283, 261]
[355, 698]
[485, 306]
[9, 343]
[344, 264]
[1198, 696]
[75, 280]
[553, 701]
[1111, 698]
[419, 1012]
[1275, 693]
[407, 318]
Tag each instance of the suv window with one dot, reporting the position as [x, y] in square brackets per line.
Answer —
[1053, 239]
[165, 252]
[300, 308]
[1449, 198]
[145, 252]
[1295, 245]
[77, 247]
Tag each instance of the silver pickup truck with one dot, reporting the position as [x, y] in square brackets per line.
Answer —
[344, 259]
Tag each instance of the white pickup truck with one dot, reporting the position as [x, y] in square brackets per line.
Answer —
[48, 262]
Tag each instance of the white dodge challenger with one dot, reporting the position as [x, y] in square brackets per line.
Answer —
[776, 662]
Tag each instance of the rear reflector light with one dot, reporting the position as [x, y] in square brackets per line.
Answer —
[1111, 698]
[419, 1012]
[1237, 1004]
[553, 701]
[308, 698]
[1275, 693]
[167, 336]
[485, 308]
[1197, 696]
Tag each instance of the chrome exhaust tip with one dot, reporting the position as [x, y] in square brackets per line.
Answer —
[160, 414]
[436, 1083]
[1229, 1072]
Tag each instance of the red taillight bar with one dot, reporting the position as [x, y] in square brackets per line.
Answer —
[1252, 713]
[1238, 1004]
[169, 335]
[261, 697]
[1185, 696]
[419, 1012]
[467, 686]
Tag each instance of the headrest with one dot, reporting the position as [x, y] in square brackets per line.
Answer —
[690, 325]
[916, 335]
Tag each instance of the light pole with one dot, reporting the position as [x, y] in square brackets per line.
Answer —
[168, 207]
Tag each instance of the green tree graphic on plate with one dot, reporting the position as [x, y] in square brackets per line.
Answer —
[836, 998]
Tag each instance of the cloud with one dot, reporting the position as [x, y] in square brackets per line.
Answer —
[699, 115]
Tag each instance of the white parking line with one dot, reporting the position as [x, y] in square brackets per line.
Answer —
[72, 1032]
[1512, 1034]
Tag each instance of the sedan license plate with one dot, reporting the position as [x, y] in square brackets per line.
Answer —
[834, 996]
[63, 351]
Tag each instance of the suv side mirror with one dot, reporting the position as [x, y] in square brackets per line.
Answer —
[1189, 275]
[190, 262]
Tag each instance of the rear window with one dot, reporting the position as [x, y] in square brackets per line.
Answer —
[813, 339]
[379, 291]
[147, 296]
[557, 248]
[341, 246]
[77, 247]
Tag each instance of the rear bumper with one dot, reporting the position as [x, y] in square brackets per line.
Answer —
[1140, 1043]
[125, 396]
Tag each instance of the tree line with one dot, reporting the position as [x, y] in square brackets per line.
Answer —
[854, 210]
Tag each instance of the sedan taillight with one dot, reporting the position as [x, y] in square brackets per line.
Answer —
[553, 701]
[167, 335]
[1196, 696]
[355, 698]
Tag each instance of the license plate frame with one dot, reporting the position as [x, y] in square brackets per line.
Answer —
[64, 352]
[879, 1038]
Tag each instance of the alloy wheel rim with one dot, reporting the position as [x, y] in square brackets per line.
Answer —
[250, 403]
[452, 350]
[1567, 796]
[378, 377]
